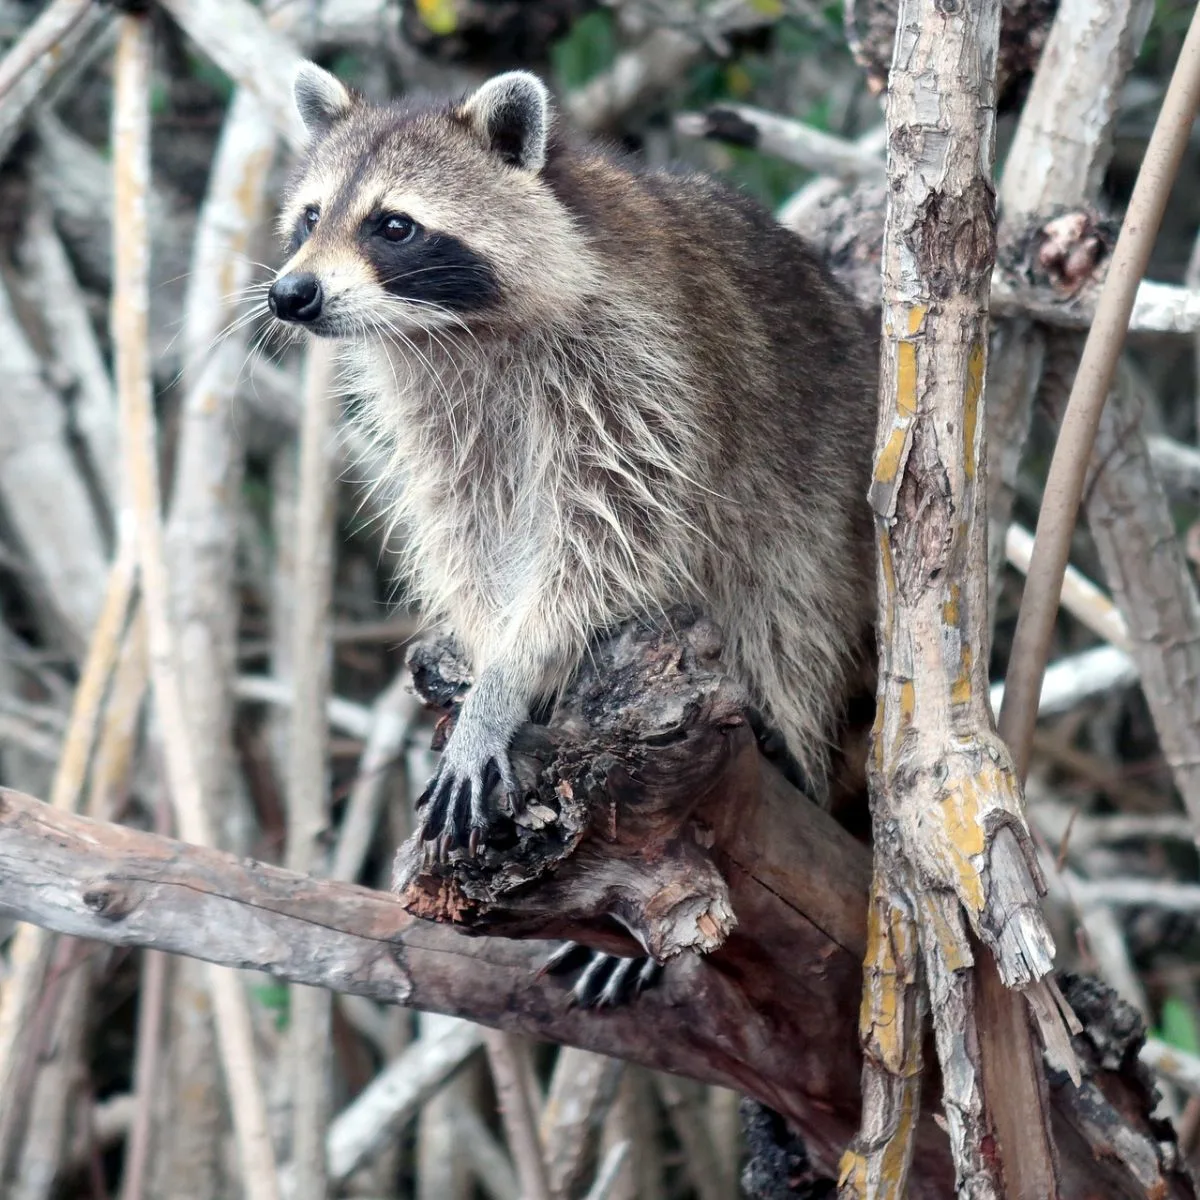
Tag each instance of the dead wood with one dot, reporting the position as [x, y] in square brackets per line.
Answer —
[651, 814]
[771, 1013]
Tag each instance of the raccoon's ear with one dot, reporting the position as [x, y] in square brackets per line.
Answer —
[511, 115]
[320, 99]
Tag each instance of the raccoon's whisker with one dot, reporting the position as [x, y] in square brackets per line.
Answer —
[453, 318]
[482, 270]
[254, 349]
[397, 336]
[235, 326]
[253, 262]
[162, 283]
[249, 291]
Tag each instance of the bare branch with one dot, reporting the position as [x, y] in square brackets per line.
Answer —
[1070, 681]
[236, 36]
[130, 306]
[952, 851]
[52, 25]
[1080, 596]
[791, 140]
[308, 754]
[32, 64]
[128, 887]
[1064, 486]
[516, 1108]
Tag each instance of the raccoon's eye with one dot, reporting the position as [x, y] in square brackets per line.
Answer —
[398, 228]
[308, 221]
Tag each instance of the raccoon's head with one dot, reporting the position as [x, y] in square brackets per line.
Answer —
[399, 221]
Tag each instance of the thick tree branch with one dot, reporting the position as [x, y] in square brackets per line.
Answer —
[707, 1019]
[953, 860]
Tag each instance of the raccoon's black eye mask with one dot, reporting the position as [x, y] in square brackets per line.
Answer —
[307, 223]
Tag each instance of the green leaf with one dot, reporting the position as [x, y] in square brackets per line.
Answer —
[589, 48]
[275, 998]
[1179, 1026]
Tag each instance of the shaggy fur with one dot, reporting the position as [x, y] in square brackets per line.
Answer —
[604, 392]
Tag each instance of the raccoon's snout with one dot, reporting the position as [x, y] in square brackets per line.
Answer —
[296, 297]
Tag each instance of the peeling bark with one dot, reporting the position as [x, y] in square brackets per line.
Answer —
[772, 1013]
[1024, 26]
[953, 856]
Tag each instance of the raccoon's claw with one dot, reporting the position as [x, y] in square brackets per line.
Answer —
[457, 804]
[606, 980]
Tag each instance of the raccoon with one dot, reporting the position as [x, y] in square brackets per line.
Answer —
[604, 391]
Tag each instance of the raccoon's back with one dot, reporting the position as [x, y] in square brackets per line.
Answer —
[777, 345]
[791, 349]
[787, 366]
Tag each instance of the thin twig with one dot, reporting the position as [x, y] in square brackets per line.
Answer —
[491, 1166]
[74, 344]
[395, 1094]
[308, 754]
[609, 1172]
[582, 1090]
[681, 1100]
[48, 1105]
[785, 138]
[151, 1006]
[1080, 596]
[29, 954]
[1070, 681]
[392, 719]
[53, 24]
[344, 715]
[46, 500]
[130, 308]
[442, 1170]
[1072, 453]
[513, 1097]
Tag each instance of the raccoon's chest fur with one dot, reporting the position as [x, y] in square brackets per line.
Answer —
[545, 466]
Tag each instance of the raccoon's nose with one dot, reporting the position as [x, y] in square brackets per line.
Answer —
[296, 297]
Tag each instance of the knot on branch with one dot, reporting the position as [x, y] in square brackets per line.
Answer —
[954, 239]
[615, 837]
[1065, 254]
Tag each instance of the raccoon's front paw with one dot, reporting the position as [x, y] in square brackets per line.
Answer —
[606, 980]
[458, 805]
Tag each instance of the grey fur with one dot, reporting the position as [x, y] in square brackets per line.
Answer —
[321, 99]
[670, 402]
[512, 113]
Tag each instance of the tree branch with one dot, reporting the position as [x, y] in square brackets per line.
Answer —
[721, 1019]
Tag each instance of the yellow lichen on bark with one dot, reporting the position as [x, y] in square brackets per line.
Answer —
[952, 851]
[891, 960]
[892, 1021]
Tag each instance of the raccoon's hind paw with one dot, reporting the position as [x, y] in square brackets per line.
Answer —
[458, 806]
[606, 980]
